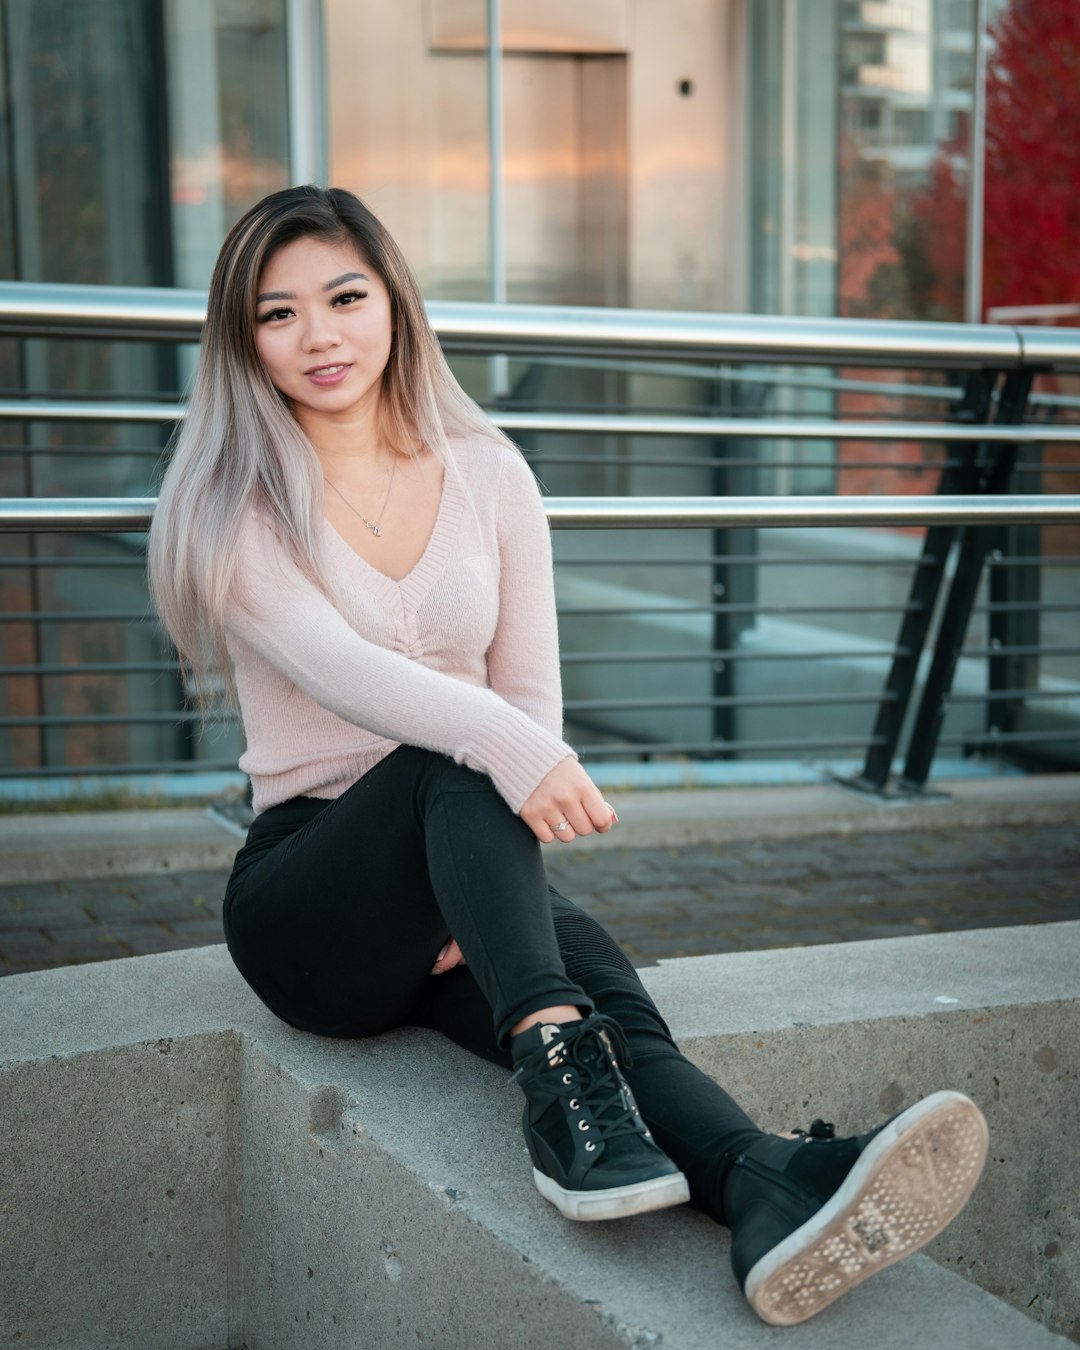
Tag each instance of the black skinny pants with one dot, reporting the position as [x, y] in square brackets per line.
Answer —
[336, 911]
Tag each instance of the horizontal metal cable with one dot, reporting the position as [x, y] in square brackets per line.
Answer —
[741, 654]
[1020, 651]
[695, 463]
[749, 607]
[1026, 607]
[34, 564]
[84, 451]
[1004, 695]
[132, 514]
[637, 749]
[729, 560]
[600, 424]
[545, 459]
[1010, 738]
[726, 373]
[726, 701]
[136, 561]
[91, 668]
[76, 616]
[1035, 560]
[156, 767]
[65, 720]
[62, 720]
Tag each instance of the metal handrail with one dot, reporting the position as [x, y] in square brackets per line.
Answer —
[979, 431]
[102, 515]
[31, 309]
[601, 424]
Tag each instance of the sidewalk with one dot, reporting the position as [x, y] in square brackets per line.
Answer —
[684, 873]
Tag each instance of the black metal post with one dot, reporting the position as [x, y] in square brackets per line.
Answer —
[959, 476]
[998, 463]
[733, 582]
[1013, 634]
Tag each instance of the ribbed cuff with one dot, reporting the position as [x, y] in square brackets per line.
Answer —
[516, 754]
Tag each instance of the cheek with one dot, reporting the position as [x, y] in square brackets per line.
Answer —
[270, 351]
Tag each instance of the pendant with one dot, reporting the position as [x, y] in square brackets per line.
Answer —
[376, 531]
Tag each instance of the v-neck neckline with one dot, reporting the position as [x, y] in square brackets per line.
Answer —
[419, 578]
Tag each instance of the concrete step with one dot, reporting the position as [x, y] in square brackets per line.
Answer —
[183, 1170]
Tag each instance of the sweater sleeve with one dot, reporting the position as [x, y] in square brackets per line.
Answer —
[523, 659]
[288, 622]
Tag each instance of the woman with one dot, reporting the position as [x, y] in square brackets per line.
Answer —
[344, 533]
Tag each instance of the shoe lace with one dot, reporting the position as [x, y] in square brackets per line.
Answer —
[819, 1129]
[595, 1052]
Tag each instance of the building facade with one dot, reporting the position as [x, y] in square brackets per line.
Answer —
[770, 156]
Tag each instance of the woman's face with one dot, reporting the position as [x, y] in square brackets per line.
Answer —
[323, 328]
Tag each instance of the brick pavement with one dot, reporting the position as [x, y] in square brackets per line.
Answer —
[658, 902]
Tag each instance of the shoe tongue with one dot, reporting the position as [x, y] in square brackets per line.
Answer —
[551, 1032]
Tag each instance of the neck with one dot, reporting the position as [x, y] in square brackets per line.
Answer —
[347, 441]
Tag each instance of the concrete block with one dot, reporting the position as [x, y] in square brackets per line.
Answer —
[119, 1177]
[377, 1193]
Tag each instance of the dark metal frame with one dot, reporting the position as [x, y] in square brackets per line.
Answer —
[981, 468]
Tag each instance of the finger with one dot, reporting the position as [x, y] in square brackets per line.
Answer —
[594, 813]
[563, 831]
[448, 958]
[541, 829]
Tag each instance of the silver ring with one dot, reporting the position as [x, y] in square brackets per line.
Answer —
[562, 825]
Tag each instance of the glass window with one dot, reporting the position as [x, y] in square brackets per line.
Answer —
[911, 126]
[133, 134]
[228, 120]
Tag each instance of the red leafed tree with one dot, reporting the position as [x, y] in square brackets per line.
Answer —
[869, 258]
[1032, 190]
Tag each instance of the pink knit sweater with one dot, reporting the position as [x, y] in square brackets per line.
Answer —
[460, 656]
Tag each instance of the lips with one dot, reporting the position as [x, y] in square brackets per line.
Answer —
[328, 375]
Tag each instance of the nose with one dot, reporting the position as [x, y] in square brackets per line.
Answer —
[320, 332]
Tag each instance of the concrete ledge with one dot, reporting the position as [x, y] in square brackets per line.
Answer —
[181, 1170]
[72, 845]
[57, 846]
[652, 819]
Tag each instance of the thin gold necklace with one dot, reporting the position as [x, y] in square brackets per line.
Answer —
[373, 525]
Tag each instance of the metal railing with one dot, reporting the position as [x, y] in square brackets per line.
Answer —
[88, 515]
[973, 524]
[135, 313]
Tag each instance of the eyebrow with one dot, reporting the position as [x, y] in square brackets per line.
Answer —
[330, 286]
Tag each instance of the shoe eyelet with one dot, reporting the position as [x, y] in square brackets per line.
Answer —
[583, 1124]
[590, 1147]
[567, 1079]
[574, 1103]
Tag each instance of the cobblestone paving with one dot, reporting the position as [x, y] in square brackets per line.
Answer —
[686, 901]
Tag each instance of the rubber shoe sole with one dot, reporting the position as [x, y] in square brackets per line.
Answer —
[615, 1202]
[907, 1185]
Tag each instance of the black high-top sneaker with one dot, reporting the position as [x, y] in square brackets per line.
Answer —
[812, 1217]
[593, 1156]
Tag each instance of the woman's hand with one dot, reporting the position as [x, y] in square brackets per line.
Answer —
[448, 958]
[569, 798]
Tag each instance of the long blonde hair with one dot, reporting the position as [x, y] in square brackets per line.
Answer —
[241, 450]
